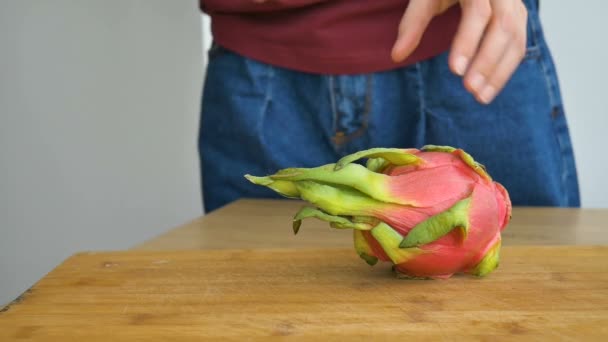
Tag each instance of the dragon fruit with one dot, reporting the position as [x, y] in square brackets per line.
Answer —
[432, 212]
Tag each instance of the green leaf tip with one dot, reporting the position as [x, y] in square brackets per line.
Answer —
[296, 226]
[337, 199]
[395, 156]
[352, 176]
[439, 225]
[389, 240]
[489, 262]
[369, 259]
[336, 221]
[363, 249]
[376, 164]
[264, 181]
[438, 148]
[464, 156]
[284, 187]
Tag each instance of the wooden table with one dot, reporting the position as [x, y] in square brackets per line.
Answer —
[239, 273]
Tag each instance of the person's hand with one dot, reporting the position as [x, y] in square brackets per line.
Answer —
[488, 46]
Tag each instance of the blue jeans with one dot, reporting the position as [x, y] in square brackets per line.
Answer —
[258, 118]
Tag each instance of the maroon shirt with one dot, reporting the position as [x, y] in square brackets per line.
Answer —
[323, 36]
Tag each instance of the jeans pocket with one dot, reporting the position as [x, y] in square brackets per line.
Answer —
[569, 177]
[533, 31]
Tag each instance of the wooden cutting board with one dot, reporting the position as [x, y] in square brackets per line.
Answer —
[549, 293]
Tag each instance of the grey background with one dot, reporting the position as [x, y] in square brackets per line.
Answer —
[99, 109]
[99, 105]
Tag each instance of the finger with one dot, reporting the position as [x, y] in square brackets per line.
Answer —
[498, 37]
[475, 18]
[501, 75]
[509, 62]
[411, 28]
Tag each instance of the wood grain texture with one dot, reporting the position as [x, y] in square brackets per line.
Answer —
[538, 293]
[267, 224]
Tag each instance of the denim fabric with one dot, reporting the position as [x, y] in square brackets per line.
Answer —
[258, 118]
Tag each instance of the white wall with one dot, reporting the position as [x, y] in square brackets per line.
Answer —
[576, 32]
[99, 104]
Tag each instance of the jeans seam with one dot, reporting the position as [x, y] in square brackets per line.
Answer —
[332, 99]
[551, 87]
[267, 100]
[554, 109]
[421, 139]
[564, 164]
[545, 71]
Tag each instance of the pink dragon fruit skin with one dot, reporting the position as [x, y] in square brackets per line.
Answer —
[432, 212]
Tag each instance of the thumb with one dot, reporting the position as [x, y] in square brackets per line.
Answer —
[414, 22]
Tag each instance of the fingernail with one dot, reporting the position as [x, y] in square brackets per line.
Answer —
[460, 65]
[487, 94]
[477, 81]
